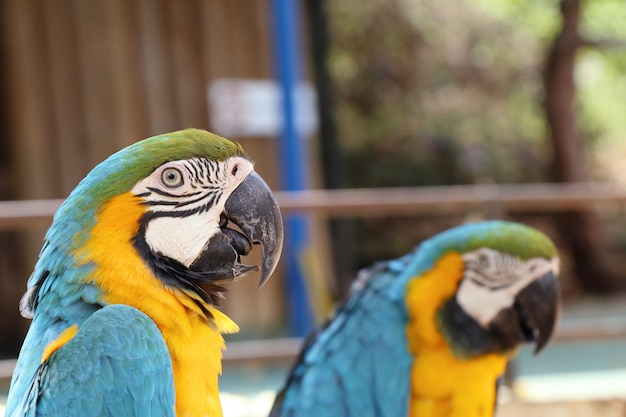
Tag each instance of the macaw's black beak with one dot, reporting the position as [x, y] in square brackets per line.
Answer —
[533, 316]
[253, 209]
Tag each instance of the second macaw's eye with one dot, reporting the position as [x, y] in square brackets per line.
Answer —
[172, 178]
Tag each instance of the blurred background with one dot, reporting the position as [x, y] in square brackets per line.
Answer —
[478, 109]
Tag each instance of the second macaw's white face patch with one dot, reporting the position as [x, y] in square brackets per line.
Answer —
[493, 279]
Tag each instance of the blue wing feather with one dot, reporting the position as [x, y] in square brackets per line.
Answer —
[353, 365]
[117, 364]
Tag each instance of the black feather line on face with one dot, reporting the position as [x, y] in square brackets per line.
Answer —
[174, 274]
[183, 213]
[464, 335]
[166, 194]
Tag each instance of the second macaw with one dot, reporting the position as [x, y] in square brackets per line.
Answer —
[429, 334]
[123, 298]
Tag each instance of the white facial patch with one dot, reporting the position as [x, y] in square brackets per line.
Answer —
[493, 279]
[188, 198]
[181, 238]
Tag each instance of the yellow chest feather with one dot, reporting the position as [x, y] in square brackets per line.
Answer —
[444, 385]
[194, 341]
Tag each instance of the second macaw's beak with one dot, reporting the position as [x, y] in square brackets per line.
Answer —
[253, 209]
[533, 315]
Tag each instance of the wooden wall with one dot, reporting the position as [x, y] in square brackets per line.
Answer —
[84, 78]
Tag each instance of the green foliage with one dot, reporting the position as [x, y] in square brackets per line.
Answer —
[604, 19]
[434, 92]
[416, 77]
[434, 84]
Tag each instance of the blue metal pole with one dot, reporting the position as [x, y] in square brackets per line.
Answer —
[294, 171]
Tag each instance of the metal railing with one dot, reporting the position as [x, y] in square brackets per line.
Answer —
[372, 202]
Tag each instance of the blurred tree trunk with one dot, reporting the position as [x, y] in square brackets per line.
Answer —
[334, 175]
[581, 230]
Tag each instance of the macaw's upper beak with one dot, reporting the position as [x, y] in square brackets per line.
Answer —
[532, 317]
[253, 209]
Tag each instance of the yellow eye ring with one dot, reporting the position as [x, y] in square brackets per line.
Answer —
[172, 178]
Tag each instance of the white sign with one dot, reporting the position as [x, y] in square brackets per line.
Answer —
[245, 107]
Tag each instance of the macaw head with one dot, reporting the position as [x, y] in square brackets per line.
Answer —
[191, 203]
[507, 291]
[172, 200]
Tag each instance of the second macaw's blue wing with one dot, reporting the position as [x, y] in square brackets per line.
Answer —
[358, 360]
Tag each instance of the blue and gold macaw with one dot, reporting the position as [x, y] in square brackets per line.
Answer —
[123, 297]
[429, 334]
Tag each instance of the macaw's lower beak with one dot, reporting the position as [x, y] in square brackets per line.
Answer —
[253, 209]
[532, 317]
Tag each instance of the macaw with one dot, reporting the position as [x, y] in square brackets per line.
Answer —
[430, 333]
[124, 295]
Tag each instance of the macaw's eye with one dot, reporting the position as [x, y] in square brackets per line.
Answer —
[172, 178]
[483, 260]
